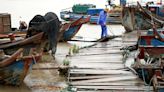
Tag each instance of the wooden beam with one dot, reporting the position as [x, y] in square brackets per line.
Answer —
[129, 88]
[102, 80]
[98, 66]
[96, 77]
[111, 90]
[130, 83]
[97, 71]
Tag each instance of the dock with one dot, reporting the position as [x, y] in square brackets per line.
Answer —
[101, 68]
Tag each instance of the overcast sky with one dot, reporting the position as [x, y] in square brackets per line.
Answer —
[27, 9]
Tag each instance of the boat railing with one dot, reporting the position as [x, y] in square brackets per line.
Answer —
[133, 4]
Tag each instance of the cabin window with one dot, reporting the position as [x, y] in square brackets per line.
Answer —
[153, 10]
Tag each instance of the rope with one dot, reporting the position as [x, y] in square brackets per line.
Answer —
[34, 59]
[110, 31]
[143, 76]
[145, 80]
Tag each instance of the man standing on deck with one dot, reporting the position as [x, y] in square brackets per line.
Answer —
[102, 21]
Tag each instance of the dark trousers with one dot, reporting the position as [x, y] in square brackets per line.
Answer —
[104, 31]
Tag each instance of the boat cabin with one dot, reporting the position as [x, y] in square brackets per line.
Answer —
[157, 9]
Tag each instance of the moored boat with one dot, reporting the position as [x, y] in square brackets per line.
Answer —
[14, 68]
[73, 28]
[149, 62]
[77, 12]
[93, 12]
[43, 30]
[138, 18]
[10, 47]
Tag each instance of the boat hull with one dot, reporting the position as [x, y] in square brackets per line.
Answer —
[114, 18]
[69, 16]
[27, 43]
[137, 18]
[13, 69]
[73, 28]
[150, 57]
[14, 73]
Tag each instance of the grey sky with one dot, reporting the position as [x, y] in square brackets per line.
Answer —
[27, 9]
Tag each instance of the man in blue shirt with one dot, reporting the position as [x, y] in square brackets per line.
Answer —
[102, 21]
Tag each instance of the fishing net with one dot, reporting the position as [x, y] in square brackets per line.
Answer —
[53, 27]
[50, 25]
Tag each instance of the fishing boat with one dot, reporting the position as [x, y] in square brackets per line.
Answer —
[78, 10]
[86, 10]
[156, 9]
[139, 18]
[152, 43]
[10, 46]
[20, 54]
[73, 28]
[158, 81]
[149, 63]
[69, 16]
[14, 68]
[43, 30]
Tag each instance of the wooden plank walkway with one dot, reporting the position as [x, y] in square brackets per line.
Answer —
[101, 69]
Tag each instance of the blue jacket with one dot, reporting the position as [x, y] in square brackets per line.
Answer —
[102, 18]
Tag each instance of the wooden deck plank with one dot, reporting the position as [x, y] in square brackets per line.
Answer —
[98, 71]
[108, 84]
[109, 46]
[112, 91]
[98, 56]
[111, 61]
[128, 44]
[114, 63]
[90, 51]
[99, 46]
[98, 66]
[104, 80]
[105, 53]
[96, 76]
[99, 49]
[130, 88]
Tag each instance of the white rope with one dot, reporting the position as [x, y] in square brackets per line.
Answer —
[34, 59]
[110, 30]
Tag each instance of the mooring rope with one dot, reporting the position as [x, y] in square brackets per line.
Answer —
[143, 76]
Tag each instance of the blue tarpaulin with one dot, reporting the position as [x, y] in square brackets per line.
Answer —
[154, 42]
